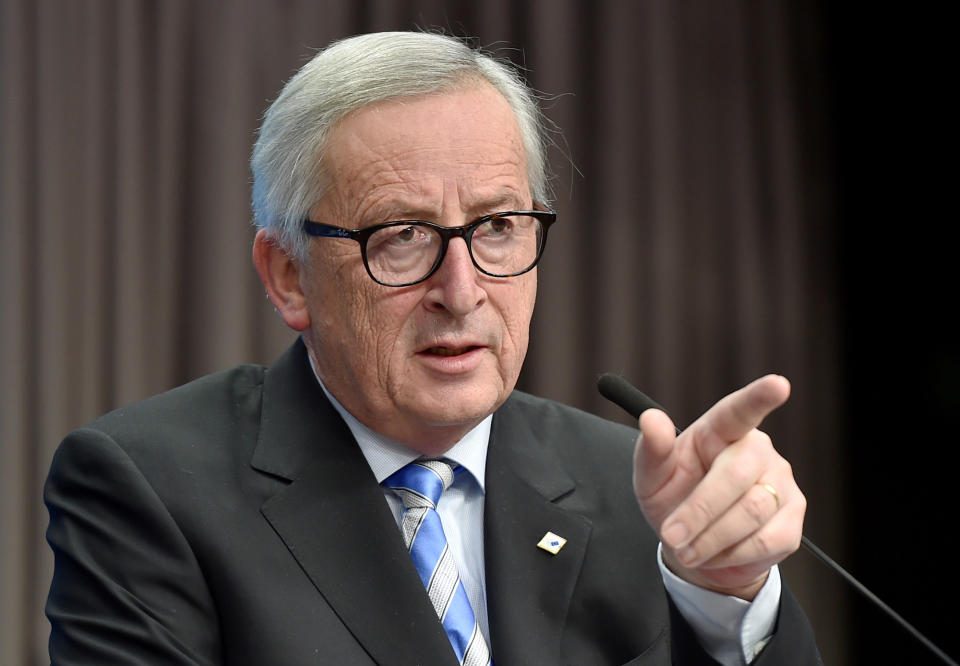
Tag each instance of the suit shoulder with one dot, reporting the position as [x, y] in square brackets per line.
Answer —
[553, 412]
[558, 422]
[212, 404]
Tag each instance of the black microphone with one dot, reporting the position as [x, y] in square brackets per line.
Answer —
[625, 395]
[622, 393]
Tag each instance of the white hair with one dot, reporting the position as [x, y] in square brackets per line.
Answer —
[287, 161]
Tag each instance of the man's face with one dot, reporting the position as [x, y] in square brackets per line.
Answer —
[421, 364]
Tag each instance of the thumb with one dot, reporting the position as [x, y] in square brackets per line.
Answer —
[654, 459]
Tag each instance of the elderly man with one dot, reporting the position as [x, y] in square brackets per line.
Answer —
[381, 494]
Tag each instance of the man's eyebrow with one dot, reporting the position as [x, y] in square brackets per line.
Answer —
[507, 200]
[394, 213]
[390, 212]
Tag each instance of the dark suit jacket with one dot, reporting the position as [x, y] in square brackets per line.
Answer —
[234, 520]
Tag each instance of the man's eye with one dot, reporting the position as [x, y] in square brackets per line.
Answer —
[398, 237]
[406, 235]
[499, 225]
[496, 228]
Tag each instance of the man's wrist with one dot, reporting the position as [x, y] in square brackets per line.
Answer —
[746, 592]
[732, 630]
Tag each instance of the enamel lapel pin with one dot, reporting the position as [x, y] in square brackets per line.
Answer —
[551, 543]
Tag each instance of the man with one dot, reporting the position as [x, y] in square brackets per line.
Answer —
[252, 516]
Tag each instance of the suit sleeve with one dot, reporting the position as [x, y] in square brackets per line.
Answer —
[793, 642]
[127, 588]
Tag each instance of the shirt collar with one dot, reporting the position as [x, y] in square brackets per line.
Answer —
[385, 456]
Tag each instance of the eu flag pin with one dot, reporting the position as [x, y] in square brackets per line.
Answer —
[551, 543]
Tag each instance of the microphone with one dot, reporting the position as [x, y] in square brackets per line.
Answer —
[625, 395]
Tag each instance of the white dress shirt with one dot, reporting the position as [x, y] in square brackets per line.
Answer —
[731, 630]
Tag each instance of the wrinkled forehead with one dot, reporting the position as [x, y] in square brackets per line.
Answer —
[462, 144]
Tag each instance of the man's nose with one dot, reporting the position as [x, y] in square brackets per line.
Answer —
[455, 287]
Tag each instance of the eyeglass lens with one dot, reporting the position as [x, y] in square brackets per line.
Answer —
[406, 253]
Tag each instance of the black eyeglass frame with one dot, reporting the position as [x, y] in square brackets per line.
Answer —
[322, 230]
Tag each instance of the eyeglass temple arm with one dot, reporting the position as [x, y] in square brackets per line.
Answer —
[325, 230]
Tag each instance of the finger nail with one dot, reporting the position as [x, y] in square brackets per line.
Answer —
[686, 555]
[674, 534]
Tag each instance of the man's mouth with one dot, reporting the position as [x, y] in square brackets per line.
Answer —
[450, 351]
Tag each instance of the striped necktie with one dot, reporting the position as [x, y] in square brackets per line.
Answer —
[420, 485]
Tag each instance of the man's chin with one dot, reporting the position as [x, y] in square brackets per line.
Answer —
[458, 411]
[448, 407]
[455, 412]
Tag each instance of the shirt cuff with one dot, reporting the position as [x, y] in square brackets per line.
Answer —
[732, 630]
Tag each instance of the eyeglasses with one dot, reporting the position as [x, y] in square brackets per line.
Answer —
[405, 252]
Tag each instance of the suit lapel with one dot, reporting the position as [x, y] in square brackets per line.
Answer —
[334, 520]
[528, 589]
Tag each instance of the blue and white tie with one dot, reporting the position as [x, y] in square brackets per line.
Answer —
[420, 485]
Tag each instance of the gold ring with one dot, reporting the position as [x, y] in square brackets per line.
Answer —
[770, 489]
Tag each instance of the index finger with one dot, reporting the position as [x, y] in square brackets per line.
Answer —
[742, 411]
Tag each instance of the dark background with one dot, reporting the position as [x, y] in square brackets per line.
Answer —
[892, 129]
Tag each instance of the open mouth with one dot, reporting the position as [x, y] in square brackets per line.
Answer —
[450, 351]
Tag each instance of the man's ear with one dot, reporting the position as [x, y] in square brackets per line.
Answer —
[280, 274]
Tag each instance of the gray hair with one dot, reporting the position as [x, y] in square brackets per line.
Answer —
[287, 159]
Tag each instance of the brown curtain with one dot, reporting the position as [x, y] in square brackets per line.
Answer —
[691, 183]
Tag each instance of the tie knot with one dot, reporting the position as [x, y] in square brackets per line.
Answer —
[421, 483]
